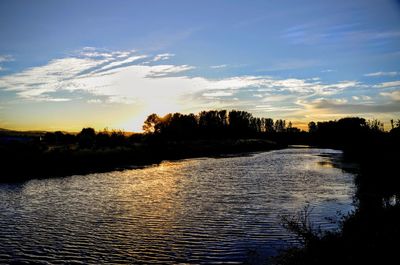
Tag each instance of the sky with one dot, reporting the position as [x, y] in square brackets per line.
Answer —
[65, 65]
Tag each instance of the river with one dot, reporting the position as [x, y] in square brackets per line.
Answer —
[193, 211]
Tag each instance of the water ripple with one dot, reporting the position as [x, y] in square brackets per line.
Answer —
[195, 211]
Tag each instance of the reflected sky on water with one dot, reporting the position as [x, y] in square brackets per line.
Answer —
[206, 210]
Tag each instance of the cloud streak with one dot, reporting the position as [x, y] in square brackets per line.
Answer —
[379, 74]
[388, 84]
[313, 33]
[122, 77]
[218, 66]
[394, 95]
[342, 107]
[163, 56]
[127, 78]
[6, 58]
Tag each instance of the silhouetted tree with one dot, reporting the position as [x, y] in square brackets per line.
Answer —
[256, 125]
[344, 132]
[269, 125]
[395, 131]
[280, 125]
[103, 138]
[375, 125]
[117, 138]
[240, 123]
[312, 127]
[179, 126]
[212, 123]
[58, 138]
[292, 130]
[152, 124]
[86, 138]
[49, 138]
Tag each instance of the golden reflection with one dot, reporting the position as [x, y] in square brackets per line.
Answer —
[153, 194]
[326, 164]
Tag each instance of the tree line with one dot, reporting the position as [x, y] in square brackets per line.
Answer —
[352, 131]
[234, 124]
[88, 138]
[214, 124]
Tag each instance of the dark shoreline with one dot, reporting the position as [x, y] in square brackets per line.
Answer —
[22, 165]
[369, 235]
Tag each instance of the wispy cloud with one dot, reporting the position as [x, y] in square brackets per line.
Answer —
[310, 86]
[163, 56]
[379, 74]
[94, 101]
[126, 61]
[165, 70]
[361, 97]
[120, 77]
[6, 58]
[218, 94]
[117, 78]
[337, 106]
[314, 33]
[271, 108]
[388, 84]
[394, 95]
[290, 64]
[328, 71]
[218, 66]
[276, 98]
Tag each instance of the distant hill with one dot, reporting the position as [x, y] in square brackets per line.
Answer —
[7, 132]
[13, 133]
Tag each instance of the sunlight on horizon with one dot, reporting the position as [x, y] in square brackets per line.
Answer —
[285, 64]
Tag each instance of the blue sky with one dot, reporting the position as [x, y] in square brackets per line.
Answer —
[69, 64]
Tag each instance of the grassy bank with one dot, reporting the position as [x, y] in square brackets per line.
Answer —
[370, 234]
[32, 160]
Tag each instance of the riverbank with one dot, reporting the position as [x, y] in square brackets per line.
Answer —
[23, 161]
[370, 234]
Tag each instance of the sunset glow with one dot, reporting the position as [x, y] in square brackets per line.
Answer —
[263, 58]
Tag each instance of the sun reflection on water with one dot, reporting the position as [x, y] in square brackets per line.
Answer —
[188, 211]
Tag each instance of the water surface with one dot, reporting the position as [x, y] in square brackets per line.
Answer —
[195, 211]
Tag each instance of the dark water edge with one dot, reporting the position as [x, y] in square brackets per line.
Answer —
[194, 211]
[23, 162]
[369, 234]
